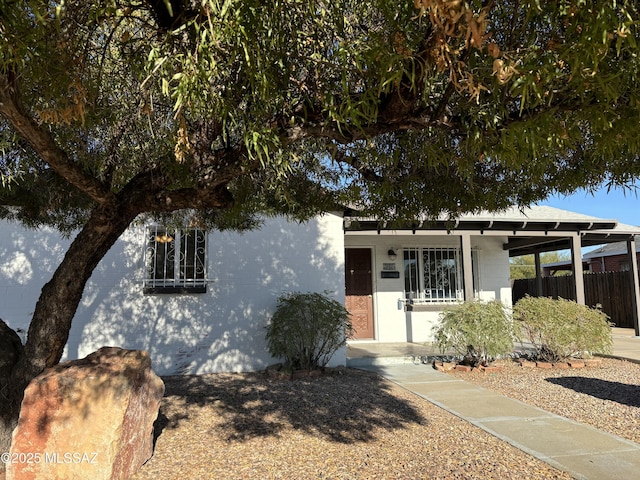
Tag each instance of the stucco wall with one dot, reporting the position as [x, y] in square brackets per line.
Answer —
[495, 274]
[219, 331]
[392, 323]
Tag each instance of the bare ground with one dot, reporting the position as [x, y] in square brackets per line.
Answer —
[356, 425]
[347, 425]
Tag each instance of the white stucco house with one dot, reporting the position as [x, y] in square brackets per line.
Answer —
[199, 301]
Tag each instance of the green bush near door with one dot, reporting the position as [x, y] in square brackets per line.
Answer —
[478, 331]
[307, 329]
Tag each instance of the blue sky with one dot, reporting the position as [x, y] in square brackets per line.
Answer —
[617, 204]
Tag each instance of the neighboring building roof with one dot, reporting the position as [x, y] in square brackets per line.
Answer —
[560, 263]
[610, 249]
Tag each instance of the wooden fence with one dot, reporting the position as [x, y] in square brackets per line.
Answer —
[612, 290]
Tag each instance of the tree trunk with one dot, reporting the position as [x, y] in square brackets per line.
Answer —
[58, 302]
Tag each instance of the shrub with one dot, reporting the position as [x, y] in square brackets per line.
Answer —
[480, 332]
[307, 329]
[559, 329]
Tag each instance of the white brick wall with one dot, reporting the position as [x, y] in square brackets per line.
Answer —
[222, 330]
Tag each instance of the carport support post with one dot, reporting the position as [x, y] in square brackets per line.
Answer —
[467, 266]
[576, 258]
[633, 266]
[538, 274]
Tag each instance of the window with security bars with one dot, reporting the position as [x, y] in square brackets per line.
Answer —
[175, 260]
[434, 275]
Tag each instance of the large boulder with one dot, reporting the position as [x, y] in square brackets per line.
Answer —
[88, 419]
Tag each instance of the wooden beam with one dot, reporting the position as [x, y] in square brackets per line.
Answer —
[633, 266]
[467, 267]
[576, 259]
[523, 242]
[538, 274]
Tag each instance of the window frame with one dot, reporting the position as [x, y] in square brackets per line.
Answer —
[168, 272]
[415, 275]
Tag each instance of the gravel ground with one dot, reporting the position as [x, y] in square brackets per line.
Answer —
[355, 425]
[347, 425]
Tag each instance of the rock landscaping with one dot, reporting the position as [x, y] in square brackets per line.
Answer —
[353, 424]
[443, 366]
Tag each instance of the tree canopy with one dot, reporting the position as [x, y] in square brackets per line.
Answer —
[223, 109]
[295, 106]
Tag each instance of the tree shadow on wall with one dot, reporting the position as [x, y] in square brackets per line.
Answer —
[221, 330]
[346, 407]
[622, 393]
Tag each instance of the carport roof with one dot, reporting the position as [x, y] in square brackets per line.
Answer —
[530, 230]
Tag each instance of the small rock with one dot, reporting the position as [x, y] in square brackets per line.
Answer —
[527, 364]
[463, 368]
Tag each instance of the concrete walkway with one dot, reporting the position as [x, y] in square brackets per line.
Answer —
[625, 344]
[581, 450]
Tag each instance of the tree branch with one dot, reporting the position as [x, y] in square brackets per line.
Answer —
[45, 146]
[367, 173]
[345, 135]
[147, 192]
[187, 198]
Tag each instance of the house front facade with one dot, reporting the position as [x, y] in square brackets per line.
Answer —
[199, 301]
[399, 279]
[397, 282]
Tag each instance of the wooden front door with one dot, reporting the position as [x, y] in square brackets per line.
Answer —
[359, 291]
